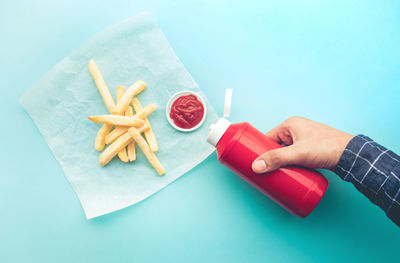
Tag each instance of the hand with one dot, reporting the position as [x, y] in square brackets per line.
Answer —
[307, 143]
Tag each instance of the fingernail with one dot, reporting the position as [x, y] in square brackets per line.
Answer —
[259, 166]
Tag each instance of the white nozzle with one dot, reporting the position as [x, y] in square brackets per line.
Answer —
[218, 129]
[228, 102]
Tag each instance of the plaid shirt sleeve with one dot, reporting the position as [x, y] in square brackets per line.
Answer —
[374, 171]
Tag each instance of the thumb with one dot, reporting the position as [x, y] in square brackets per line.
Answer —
[274, 159]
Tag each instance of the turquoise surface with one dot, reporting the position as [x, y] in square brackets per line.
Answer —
[333, 61]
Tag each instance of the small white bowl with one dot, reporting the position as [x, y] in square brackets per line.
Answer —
[171, 101]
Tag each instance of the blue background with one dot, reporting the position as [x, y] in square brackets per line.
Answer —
[337, 62]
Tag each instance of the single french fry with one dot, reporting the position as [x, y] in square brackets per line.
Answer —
[151, 157]
[119, 130]
[120, 93]
[133, 90]
[149, 134]
[117, 120]
[143, 113]
[122, 154]
[131, 147]
[114, 148]
[100, 138]
[114, 134]
[102, 87]
[129, 111]
[131, 151]
[108, 101]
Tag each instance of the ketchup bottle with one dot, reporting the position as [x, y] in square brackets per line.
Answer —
[297, 189]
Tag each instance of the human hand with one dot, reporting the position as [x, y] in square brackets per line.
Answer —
[306, 143]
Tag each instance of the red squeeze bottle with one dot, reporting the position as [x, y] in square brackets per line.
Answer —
[297, 189]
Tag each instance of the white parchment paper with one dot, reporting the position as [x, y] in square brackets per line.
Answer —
[60, 102]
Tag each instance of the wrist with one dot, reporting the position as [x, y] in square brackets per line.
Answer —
[341, 143]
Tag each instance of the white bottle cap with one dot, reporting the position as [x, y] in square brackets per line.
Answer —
[217, 130]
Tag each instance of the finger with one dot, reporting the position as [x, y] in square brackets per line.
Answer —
[281, 134]
[274, 159]
[273, 134]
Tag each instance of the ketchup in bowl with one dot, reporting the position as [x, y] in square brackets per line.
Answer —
[187, 111]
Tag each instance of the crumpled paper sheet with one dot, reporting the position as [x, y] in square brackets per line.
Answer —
[60, 102]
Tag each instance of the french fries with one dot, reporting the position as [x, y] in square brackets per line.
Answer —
[151, 157]
[114, 148]
[118, 131]
[135, 89]
[102, 86]
[149, 134]
[128, 126]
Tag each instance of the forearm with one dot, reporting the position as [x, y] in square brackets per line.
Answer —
[374, 171]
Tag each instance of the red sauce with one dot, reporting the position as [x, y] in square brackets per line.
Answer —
[187, 111]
